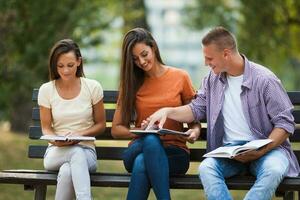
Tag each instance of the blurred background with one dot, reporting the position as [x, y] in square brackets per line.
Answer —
[267, 31]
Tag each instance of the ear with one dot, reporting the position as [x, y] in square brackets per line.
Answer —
[227, 53]
[79, 60]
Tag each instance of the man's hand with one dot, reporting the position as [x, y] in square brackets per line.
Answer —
[159, 116]
[249, 156]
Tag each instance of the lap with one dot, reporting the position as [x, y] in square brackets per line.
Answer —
[56, 156]
[178, 158]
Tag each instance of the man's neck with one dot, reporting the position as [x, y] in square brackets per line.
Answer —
[237, 65]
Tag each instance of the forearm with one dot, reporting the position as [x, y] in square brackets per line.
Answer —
[48, 131]
[278, 136]
[181, 114]
[94, 130]
[121, 131]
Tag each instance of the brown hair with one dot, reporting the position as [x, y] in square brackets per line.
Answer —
[221, 37]
[59, 48]
[131, 76]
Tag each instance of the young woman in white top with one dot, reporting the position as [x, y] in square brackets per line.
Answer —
[70, 104]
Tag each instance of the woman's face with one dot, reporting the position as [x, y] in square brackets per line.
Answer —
[67, 64]
[143, 56]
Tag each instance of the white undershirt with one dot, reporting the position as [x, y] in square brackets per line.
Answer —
[235, 124]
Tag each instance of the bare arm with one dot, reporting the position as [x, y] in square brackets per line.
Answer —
[99, 121]
[118, 130]
[278, 135]
[46, 123]
[180, 114]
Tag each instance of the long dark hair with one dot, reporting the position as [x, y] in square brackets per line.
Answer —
[132, 77]
[59, 48]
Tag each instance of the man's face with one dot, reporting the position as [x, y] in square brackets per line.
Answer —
[215, 58]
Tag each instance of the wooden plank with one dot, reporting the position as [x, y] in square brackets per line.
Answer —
[294, 97]
[102, 179]
[110, 96]
[103, 153]
[115, 153]
[35, 132]
[296, 114]
[108, 112]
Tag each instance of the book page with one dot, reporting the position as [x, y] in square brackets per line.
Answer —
[164, 131]
[255, 144]
[53, 137]
[81, 138]
[65, 138]
[159, 131]
[223, 152]
[141, 132]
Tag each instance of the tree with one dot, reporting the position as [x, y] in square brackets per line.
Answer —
[267, 31]
[28, 29]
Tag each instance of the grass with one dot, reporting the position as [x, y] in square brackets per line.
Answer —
[13, 155]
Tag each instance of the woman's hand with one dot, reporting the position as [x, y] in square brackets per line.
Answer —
[193, 133]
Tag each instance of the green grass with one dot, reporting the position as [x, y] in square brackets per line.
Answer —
[13, 155]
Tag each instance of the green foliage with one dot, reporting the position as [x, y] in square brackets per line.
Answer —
[267, 30]
[28, 29]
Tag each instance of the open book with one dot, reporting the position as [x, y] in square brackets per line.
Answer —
[232, 151]
[67, 138]
[162, 131]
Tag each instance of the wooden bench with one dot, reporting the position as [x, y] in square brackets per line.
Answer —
[40, 179]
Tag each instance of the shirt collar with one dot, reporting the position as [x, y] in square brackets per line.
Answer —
[247, 80]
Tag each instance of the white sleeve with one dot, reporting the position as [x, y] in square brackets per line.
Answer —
[44, 96]
[97, 92]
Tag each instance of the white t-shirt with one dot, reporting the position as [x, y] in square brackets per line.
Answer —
[235, 124]
[71, 115]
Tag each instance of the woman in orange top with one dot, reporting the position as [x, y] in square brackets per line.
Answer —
[147, 85]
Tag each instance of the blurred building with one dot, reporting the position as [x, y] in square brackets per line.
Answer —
[179, 45]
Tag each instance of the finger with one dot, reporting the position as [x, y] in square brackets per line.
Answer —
[151, 123]
[162, 122]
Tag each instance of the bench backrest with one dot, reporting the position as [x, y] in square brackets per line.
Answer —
[115, 153]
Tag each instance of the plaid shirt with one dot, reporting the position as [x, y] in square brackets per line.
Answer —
[265, 104]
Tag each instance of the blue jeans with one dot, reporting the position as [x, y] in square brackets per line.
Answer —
[151, 164]
[269, 170]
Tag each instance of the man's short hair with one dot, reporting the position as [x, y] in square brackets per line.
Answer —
[221, 37]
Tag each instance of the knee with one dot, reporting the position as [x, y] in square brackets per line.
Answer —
[151, 141]
[207, 165]
[78, 154]
[139, 164]
[274, 173]
[64, 173]
[207, 168]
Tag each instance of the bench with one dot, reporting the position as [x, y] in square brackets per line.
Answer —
[38, 180]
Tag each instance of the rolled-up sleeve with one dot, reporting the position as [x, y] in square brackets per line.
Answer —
[198, 105]
[279, 106]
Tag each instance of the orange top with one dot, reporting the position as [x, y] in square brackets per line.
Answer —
[171, 89]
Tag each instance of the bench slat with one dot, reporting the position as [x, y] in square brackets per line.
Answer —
[115, 153]
[35, 132]
[110, 96]
[108, 112]
[294, 97]
[190, 181]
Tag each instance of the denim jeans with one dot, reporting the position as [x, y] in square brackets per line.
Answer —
[151, 164]
[74, 164]
[269, 170]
